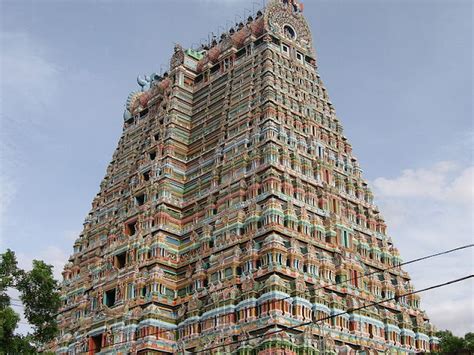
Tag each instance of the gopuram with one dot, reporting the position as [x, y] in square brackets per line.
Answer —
[233, 211]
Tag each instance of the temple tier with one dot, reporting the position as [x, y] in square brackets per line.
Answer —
[233, 210]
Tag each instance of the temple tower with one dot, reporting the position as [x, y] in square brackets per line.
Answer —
[233, 210]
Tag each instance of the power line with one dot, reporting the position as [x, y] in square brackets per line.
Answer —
[163, 331]
[341, 313]
[322, 319]
[372, 272]
[390, 268]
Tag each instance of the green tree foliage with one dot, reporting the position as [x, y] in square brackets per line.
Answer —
[8, 322]
[41, 300]
[39, 294]
[8, 318]
[8, 275]
[40, 297]
[469, 339]
[451, 344]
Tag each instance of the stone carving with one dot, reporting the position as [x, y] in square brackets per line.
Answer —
[226, 195]
[279, 15]
[178, 56]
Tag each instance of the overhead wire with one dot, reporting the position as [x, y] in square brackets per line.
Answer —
[163, 331]
[351, 310]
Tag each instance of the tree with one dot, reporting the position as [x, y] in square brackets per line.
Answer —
[40, 297]
[451, 344]
[8, 274]
[469, 341]
[8, 318]
[8, 323]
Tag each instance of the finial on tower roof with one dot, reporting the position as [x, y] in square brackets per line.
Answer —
[295, 4]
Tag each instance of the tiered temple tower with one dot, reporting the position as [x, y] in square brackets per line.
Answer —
[233, 207]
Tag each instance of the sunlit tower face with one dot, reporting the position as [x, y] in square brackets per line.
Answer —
[234, 208]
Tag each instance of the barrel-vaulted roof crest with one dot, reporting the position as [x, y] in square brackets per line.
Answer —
[285, 18]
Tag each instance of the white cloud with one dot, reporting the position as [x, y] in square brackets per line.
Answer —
[7, 192]
[29, 83]
[430, 210]
[29, 78]
[51, 255]
[462, 188]
[456, 315]
[435, 182]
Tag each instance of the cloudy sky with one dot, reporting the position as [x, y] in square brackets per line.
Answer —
[399, 73]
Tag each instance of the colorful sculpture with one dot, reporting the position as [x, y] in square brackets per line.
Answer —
[233, 209]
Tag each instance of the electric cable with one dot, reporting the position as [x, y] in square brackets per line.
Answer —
[368, 274]
[162, 331]
[339, 314]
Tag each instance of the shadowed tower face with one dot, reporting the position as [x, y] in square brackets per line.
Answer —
[233, 207]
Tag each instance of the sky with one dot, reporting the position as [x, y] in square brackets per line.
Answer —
[398, 72]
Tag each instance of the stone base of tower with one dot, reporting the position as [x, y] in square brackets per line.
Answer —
[265, 336]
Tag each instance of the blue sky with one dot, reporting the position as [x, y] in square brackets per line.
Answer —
[398, 72]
